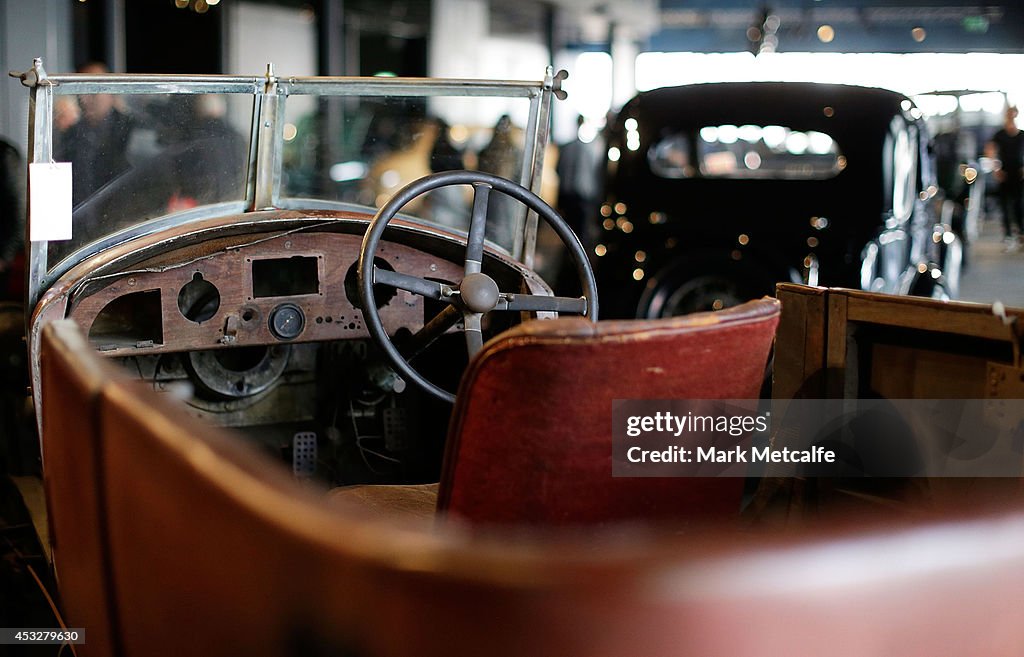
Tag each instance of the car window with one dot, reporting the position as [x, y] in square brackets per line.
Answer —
[748, 151]
[139, 156]
[670, 157]
[387, 142]
[146, 151]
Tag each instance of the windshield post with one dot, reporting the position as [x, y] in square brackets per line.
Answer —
[40, 148]
[267, 136]
[533, 167]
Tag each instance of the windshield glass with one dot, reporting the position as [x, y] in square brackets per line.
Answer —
[137, 157]
[379, 145]
[150, 152]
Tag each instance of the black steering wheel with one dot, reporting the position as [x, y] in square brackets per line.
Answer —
[478, 293]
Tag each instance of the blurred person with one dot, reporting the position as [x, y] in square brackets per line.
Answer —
[408, 161]
[65, 113]
[447, 204]
[12, 222]
[1007, 146]
[208, 155]
[502, 156]
[97, 143]
[578, 183]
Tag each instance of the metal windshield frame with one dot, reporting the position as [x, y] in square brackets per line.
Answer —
[263, 178]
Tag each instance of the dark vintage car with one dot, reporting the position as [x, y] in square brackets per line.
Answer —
[226, 356]
[715, 192]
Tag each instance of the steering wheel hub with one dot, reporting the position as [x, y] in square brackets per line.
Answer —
[479, 292]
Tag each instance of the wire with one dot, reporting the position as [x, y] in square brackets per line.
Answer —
[363, 451]
[138, 367]
[42, 589]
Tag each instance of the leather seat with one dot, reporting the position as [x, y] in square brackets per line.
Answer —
[530, 436]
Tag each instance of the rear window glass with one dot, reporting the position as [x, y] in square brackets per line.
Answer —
[747, 151]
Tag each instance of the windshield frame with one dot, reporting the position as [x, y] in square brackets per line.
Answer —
[266, 140]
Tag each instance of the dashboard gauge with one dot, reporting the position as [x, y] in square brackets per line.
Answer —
[287, 321]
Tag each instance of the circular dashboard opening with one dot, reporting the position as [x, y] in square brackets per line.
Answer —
[236, 372]
[199, 299]
[240, 359]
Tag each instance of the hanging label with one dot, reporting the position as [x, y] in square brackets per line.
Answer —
[49, 201]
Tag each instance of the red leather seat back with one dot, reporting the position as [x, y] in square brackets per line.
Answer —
[530, 440]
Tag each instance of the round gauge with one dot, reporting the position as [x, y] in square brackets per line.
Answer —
[287, 321]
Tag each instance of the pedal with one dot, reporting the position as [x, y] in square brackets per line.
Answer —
[304, 454]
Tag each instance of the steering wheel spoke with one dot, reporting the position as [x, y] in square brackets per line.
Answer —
[535, 303]
[477, 228]
[433, 330]
[414, 284]
[474, 332]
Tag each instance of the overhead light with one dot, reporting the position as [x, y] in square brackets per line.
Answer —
[918, 34]
[826, 34]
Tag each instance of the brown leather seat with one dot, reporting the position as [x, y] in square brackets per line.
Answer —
[530, 436]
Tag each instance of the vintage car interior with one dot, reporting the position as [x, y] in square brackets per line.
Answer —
[294, 318]
[291, 413]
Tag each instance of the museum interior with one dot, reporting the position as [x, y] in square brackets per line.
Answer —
[383, 328]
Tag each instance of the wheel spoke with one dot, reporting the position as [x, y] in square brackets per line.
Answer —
[474, 333]
[434, 329]
[414, 284]
[477, 228]
[538, 303]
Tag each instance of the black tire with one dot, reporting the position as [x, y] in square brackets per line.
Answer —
[702, 288]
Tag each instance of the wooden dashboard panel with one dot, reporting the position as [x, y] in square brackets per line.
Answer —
[144, 310]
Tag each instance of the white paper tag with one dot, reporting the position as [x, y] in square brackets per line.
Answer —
[49, 201]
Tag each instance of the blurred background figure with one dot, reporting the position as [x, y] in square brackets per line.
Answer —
[501, 157]
[409, 160]
[1007, 146]
[12, 222]
[578, 184]
[209, 155]
[65, 113]
[97, 143]
[447, 204]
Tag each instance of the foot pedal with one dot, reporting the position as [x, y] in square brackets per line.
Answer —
[304, 453]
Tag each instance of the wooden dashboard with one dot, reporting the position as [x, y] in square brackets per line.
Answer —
[293, 287]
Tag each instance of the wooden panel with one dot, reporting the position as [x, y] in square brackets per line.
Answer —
[329, 313]
[961, 318]
[903, 372]
[72, 475]
[894, 336]
[838, 378]
[800, 343]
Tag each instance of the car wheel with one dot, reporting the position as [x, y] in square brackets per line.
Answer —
[697, 294]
